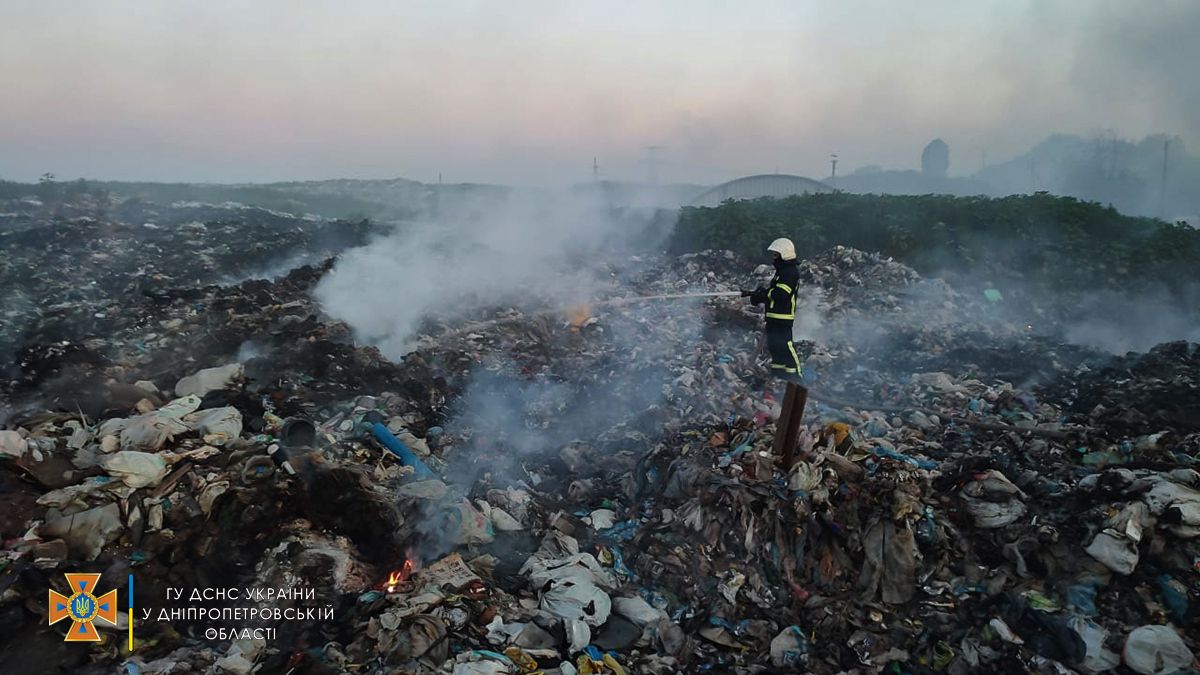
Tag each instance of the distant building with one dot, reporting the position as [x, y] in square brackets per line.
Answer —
[935, 160]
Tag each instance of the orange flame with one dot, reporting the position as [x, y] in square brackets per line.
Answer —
[578, 315]
[399, 577]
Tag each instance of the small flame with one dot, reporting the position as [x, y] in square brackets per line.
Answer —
[400, 577]
[578, 315]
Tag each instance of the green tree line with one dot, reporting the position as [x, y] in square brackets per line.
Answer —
[1057, 242]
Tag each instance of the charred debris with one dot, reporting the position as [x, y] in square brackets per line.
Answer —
[593, 491]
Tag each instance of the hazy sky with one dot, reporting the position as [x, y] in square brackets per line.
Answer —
[528, 92]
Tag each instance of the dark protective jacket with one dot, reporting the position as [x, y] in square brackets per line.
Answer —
[780, 295]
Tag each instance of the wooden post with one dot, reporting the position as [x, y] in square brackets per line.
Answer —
[787, 429]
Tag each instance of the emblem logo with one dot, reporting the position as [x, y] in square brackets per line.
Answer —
[83, 608]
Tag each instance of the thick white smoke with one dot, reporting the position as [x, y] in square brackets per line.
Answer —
[522, 248]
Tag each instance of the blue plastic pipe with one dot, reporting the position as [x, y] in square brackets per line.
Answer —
[407, 457]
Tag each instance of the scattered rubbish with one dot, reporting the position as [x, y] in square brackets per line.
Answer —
[135, 469]
[407, 457]
[86, 532]
[1097, 658]
[1156, 650]
[12, 444]
[950, 520]
[789, 648]
[209, 379]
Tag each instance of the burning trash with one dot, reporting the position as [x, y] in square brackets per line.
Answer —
[964, 495]
[578, 317]
[399, 580]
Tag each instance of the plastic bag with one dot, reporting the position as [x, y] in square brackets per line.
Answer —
[151, 431]
[135, 469]
[86, 532]
[474, 527]
[575, 598]
[1097, 659]
[218, 426]
[12, 444]
[1156, 650]
[789, 648]
[637, 610]
[1117, 545]
[209, 379]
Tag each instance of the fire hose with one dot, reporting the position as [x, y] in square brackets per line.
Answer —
[669, 296]
[581, 312]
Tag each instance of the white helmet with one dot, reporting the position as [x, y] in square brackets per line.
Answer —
[784, 248]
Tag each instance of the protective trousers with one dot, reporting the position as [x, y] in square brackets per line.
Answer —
[784, 359]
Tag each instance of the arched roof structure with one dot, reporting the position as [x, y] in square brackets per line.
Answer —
[762, 185]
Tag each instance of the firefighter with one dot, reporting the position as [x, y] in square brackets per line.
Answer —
[780, 298]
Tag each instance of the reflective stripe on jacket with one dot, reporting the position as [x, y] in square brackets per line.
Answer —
[781, 301]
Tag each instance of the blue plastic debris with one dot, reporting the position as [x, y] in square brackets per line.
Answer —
[1175, 596]
[875, 428]
[740, 629]
[594, 653]
[881, 451]
[400, 450]
[488, 654]
[794, 654]
[619, 564]
[1082, 597]
[654, 598]
[622, 531]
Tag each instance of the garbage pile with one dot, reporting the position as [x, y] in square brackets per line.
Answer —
[71, 275]
[861, 282]
[1140, 391]
[529, 492]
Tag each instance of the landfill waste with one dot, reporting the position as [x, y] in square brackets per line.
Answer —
[135, 469]
[1156, 650]
[517, 496]
[209, 379]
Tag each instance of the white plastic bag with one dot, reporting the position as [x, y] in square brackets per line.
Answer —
[218, 426]
[209, 379]
[577, 599]
[135, 469]
[1097, 659]
[1156, 650]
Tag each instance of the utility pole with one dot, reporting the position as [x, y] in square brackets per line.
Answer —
[1162, 188]
[437, 198]
[833, 159]
[595, 171]
[652, 163]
